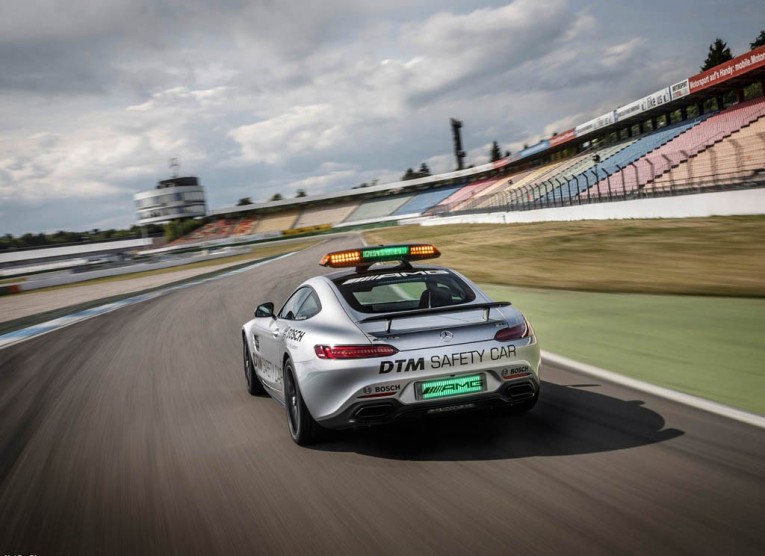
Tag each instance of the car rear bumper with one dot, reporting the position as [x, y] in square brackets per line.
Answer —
[380, 412]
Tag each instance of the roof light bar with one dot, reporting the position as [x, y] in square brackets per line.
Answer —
[371, 255]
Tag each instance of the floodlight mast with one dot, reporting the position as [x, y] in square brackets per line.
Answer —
[456, 136]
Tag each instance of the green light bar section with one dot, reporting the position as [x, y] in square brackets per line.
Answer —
[451, 387]
[383, 253]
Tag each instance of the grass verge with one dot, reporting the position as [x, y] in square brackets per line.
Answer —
[691, 256]
[706, 346]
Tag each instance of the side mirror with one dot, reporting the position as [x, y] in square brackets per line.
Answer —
[265, 310]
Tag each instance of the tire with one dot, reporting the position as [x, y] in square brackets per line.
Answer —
[254, 386]
[301, 424]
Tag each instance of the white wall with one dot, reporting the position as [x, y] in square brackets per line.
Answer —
[723, 203]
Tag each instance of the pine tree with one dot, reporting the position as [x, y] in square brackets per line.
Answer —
[759, 41]
[718, 53]
[495, 153]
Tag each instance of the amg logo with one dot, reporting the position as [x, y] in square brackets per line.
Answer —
[402, 365]
[376, 277]
[452, 387]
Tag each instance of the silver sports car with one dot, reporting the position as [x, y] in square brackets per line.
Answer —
[383, 340]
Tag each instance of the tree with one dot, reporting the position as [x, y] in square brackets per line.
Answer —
[718, 53]
[759, 41]
[409, 175]
[495, 153]
[300, 193]
[171, 231]
[244, 201]
[424, 170]
[276, 197]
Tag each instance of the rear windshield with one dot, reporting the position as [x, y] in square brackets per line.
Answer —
[404, 291]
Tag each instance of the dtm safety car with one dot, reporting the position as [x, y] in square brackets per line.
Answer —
[383, 339]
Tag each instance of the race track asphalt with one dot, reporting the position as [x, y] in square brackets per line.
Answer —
[132, 433]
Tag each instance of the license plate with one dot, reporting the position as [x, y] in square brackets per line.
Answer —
[446, 387]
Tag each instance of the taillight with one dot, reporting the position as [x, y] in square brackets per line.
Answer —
[517, 332]
[354, 352]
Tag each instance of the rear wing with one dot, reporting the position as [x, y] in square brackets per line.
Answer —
[486, 307]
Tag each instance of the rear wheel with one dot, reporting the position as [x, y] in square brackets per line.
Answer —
[254, 387]
[303, 428]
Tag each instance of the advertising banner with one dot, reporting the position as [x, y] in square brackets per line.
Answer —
[679, 90]
[594, 124]
[656, 99]
[561, 138]
[737, 66]
[534, 149]
[624, 112]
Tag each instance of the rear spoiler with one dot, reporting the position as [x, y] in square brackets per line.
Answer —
[487, 307]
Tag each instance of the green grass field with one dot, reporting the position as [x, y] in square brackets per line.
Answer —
[606, 293]
[706, 346]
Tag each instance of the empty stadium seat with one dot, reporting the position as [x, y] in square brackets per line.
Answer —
[697, 138]
[378, 208]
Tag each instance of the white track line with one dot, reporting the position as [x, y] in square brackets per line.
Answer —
[21, 335]
[687, 399]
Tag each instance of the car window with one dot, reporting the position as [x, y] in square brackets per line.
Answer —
[310, 307]
[404, 291]
[290, 308]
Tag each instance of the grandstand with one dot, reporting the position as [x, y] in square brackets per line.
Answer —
[681, 147]
[700, 133]
[736, 159]
[321, 215]
[245, 226]
[425, 200]
[461, 196]
[277, 222]
[375, 209]
[514, 189]
[615, 163]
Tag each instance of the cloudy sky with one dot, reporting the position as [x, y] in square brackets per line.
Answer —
[263, 96]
